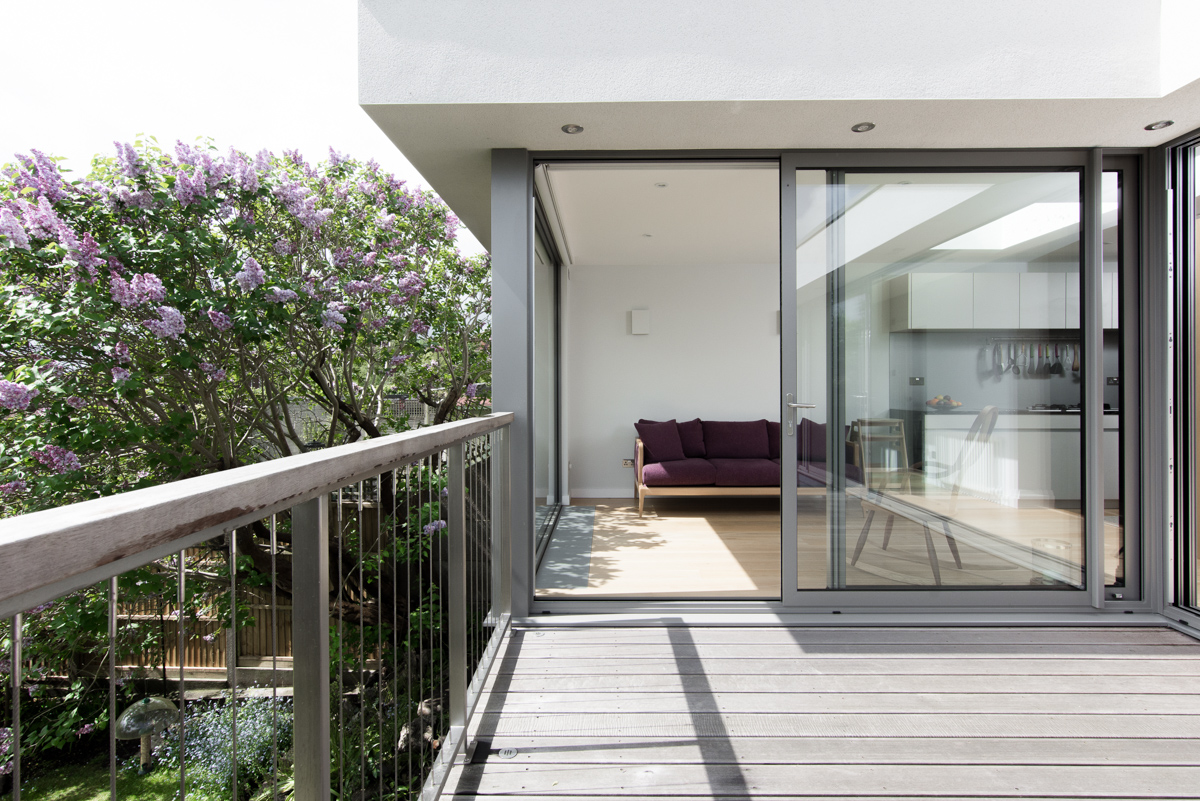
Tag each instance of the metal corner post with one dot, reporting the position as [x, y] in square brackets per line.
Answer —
[501, 526]
[512, 349]
[456, 593]
[1091, 300]
[310, 637]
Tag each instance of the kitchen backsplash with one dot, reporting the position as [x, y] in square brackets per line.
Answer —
[961, 364]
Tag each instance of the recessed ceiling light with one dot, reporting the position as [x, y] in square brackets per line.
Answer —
[661, 185]
[572, 129]
[1158, 126]
[863, 127]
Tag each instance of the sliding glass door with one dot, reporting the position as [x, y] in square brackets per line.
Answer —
[939, 362]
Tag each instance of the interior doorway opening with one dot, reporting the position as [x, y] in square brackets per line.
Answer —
[664, 278]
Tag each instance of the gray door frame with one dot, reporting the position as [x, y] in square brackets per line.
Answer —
[512, 260]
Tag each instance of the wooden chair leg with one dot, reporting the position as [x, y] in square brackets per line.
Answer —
[862, 538]
[933, 557]
[953, 544]
[641, 501]
[887, 530]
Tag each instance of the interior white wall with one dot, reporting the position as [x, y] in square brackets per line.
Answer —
[712, 352]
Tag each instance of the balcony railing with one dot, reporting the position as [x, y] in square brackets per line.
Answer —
[371, 582]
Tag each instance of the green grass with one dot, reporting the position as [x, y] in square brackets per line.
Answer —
[89, 782]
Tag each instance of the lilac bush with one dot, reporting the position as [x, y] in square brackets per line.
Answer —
[163, 316]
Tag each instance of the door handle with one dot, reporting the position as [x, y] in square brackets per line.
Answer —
[792, 407]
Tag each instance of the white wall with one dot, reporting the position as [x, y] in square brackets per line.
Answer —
[712, 352]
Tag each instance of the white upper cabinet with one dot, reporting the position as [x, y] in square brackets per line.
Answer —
[997, 300]
[1043, 300]
[931, 301]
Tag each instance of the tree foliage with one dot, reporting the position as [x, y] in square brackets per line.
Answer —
[176, 314]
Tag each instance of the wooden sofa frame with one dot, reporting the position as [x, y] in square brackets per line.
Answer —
[642, 491]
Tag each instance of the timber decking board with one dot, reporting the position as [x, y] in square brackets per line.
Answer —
[839, 713]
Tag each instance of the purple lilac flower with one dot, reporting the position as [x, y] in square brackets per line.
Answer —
[302, 205]
[12, 230]
[16, 396]
[419, 328]
[87, 728]
[213, 372]
[220, 320]
[332, 319]
[76, 402]
[285, 248]
[87, 256]
[120, 352]
[358, 287]
[140, 289]
[411, 284]
[128, 160]
[278, 295]
[120, 374]
[251, 275]
[472, 389]
[377, 324]
[434, 527]
[185, 190]
[386, 221]
[397, 259]
[11, 488]
[170, 326]
[452, 225]
[40, 221]
[336, 158]
[262, 160]
[369, 259]
[399, 359]
[58, 459]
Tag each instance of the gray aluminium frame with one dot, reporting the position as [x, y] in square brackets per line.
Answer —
[997, 606]
[902, 161]
[512, 348]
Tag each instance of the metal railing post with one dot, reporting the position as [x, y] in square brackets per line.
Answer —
[501, 525]
[456, 591]
[310, 638]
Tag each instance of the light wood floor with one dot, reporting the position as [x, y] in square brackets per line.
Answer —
[895, 713]
[727, 548]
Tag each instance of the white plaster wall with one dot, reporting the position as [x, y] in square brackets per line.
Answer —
[481, 51]
[712, 352]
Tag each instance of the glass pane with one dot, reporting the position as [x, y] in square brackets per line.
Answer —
[1114, 443]
[938, 334]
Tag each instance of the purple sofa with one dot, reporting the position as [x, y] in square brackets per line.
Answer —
[711, 457]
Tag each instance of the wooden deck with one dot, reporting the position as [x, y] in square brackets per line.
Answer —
[824, 713]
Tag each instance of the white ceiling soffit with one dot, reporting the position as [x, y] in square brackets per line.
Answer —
[648, 214]
[448, 82]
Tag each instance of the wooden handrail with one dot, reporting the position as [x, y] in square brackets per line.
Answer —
[46, 554]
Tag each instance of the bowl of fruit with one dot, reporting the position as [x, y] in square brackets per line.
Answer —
[943, 402]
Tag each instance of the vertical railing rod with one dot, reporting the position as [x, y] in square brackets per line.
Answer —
[18, 633]
[231, 656]
[362, 651]
[379, 623]
[112, 688]
[274, 670]
[181, 644]
[341, 668]
[310, 647]
[456, 588]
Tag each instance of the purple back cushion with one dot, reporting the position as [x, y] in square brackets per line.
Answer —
[661, 441]
[736, 440]
[811, 444]
[773, 432]
[691, 434]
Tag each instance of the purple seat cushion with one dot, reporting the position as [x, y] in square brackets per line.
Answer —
[691, 434]
[746, 472]
[773, 439]
[811, 442]
[661, 441]
[736, 440]
[680, 473]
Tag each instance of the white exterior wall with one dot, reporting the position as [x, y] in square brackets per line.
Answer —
[712, 352]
